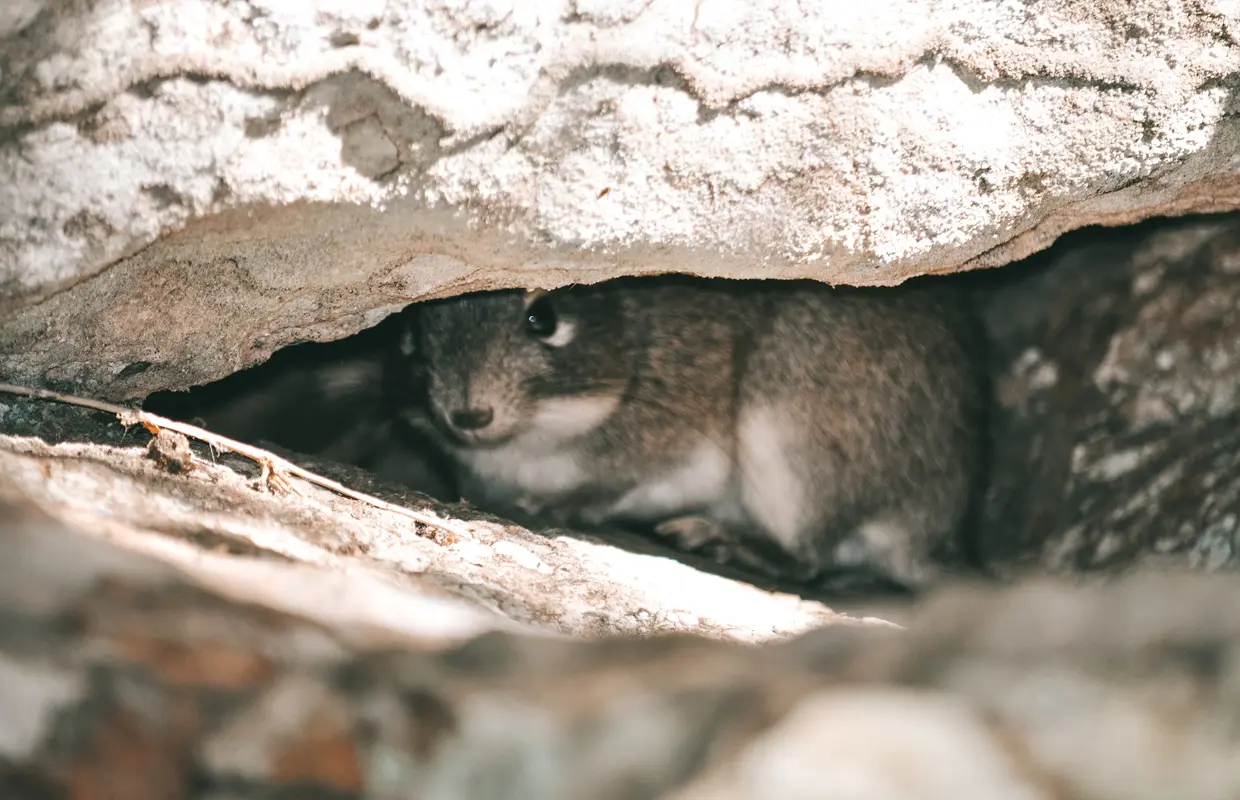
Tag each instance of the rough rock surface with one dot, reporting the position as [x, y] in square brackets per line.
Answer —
[1119, 405]
[187, 186]
[475, 573]
[124, 675]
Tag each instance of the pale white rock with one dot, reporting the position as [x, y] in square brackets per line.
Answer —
[359, 154]
[365, 572]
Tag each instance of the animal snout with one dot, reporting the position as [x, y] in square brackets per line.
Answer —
[472, 419]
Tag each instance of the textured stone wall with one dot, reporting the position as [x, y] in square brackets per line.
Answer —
[1118, 405]
[186, 186]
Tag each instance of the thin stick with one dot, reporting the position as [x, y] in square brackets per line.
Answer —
[273, 466]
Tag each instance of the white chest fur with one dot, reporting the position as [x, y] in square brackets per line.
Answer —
[700, 481]
[518, 470]
[541, 464]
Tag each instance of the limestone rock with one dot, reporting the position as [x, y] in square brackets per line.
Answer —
[187, 186]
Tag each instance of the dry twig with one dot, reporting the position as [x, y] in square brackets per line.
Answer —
[274, 469]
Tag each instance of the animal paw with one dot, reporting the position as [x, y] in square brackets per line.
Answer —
[725, 545]
[693, 533]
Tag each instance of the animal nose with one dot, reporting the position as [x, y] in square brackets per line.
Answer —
[471, 419]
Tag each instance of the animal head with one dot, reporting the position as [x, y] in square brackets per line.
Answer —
[538, 366]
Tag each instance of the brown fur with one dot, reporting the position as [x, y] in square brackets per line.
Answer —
[874, 395]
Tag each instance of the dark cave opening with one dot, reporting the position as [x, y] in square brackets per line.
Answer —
[288, 399]
[333, 401]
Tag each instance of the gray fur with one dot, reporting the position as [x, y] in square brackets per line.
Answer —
[842, 425]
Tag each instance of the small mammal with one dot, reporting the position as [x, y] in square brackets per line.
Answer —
[839, 425]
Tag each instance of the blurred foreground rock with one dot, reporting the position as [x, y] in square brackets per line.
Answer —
[123, 675]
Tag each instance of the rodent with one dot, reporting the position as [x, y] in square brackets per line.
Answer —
[832, 429]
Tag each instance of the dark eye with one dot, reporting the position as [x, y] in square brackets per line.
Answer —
[540, 318]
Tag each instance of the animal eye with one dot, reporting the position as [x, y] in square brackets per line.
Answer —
[540, 318]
